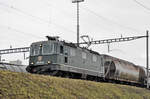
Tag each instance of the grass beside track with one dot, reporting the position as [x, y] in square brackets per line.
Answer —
[29, 86]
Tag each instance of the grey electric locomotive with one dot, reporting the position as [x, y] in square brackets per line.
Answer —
[59, 58]
[55, 57]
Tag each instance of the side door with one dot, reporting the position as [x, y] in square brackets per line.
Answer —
[64, 53]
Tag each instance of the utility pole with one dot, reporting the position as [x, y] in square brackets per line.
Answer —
[147, 57]
[78, 26]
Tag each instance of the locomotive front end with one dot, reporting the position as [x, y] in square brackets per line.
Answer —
[42, 54]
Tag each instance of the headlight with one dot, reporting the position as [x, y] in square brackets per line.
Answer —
[49, 62]
[32, 63]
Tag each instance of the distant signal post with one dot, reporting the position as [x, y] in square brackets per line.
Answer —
[78, 26]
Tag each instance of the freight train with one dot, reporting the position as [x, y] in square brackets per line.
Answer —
[59, 58]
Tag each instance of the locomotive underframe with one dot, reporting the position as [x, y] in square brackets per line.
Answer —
[50, 68]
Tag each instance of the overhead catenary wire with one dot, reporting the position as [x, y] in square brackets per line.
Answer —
[19, 31]
[60, 26]
[35, 17]
[11, 39]
[142, 5]
[21, 39]
[45, 21]
[109, 20]
[4, 9]
[64, 12]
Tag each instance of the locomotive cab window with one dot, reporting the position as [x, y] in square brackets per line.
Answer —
[66, 59]
[35, 50]
[61, 49]
[47, 48]
[31, 51]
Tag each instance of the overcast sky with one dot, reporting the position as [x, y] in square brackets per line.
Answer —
[25, 21]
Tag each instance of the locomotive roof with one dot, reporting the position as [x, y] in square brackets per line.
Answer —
[75, 46]
[70, 44]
